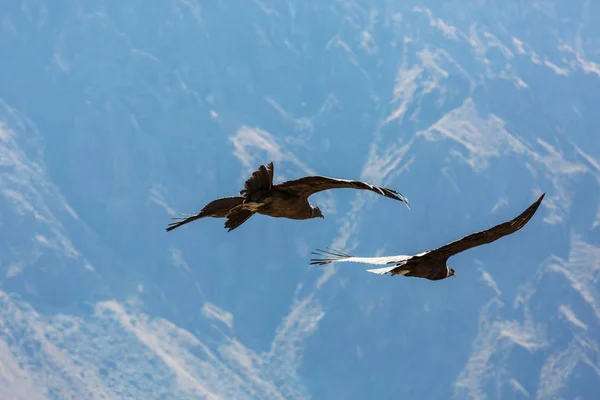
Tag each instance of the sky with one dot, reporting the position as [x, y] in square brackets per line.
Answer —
[115, 118]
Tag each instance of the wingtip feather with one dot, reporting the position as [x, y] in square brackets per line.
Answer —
[541, 198]
[399, 196]
[327, 256]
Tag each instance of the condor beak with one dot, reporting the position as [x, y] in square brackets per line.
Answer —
[322, 217]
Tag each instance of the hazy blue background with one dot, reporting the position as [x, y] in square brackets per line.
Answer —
[116, 116]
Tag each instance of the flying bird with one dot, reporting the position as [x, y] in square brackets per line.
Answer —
[284, 200]
[431, 264]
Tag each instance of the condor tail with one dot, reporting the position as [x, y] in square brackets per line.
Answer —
[219, 208]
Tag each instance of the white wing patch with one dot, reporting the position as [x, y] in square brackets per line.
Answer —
[333, 256]
[381, 271]
[375, 260]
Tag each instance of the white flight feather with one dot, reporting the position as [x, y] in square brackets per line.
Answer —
[373, 260]
[397, 261]
[382, 271]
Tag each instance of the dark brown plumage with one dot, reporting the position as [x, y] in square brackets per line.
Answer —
[432, 264]
[285, 200]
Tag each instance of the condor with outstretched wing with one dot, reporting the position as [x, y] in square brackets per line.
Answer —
[285, 200]
[432, 264]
